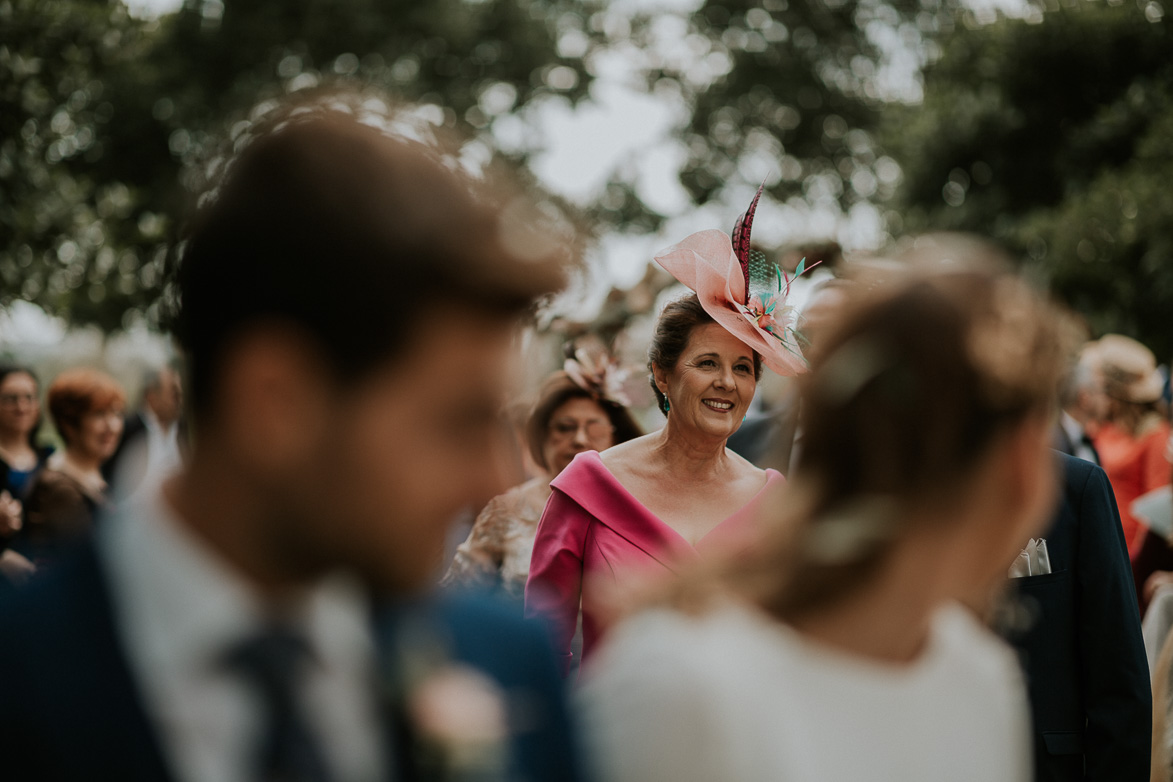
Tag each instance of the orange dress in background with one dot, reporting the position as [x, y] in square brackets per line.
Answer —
[1135, 466]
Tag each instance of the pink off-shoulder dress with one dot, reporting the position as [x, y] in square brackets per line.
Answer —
[593, 526]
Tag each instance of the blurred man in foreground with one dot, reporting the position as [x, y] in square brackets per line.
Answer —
[347, 305]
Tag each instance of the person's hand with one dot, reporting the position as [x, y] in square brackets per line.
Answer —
[10, 514]
[16, 568]
[1157, 580]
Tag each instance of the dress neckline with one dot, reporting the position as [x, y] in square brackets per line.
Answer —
[593, 486]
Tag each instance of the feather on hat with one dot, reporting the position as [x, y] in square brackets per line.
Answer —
[741, 290]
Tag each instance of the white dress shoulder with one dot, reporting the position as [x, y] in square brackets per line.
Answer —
[734, 695]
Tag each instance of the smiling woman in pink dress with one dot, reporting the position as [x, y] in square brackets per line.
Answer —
[664, 499]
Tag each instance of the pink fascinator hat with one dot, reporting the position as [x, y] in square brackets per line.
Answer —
[741, 290]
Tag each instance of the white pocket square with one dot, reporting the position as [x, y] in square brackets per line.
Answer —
[1031, 561]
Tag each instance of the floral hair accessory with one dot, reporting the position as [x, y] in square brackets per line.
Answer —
[596, 371]
[741, 290]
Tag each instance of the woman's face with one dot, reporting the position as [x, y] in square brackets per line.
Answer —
[712, 385]
[19, 406]
[577, 425]
[98, 435]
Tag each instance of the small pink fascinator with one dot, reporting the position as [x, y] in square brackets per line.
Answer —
[741, 290]
[593, 369]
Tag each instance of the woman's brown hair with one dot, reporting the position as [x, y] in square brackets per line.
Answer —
[902, 402]
[905, 396]
[673, 331]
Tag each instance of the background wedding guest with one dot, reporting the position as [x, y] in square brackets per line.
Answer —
[222, 628]
[1131, 445]
[151, 444]
[837, 649]
[20, 461]
[1131, 441]
[1086, 670]
[574, 413]
[1083, 407]
[64, 500]
[1162, 676]
[20, 417]
[658, 501]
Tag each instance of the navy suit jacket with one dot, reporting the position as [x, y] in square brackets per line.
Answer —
[70, 708]
[489, 634]
[1084, 657]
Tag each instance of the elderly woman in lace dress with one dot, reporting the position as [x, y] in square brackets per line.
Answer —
[577, 410]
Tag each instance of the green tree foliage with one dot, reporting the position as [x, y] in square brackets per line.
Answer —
[1053, 135]
[477, 59]
[799, 95]
[75, 235]
[102, 115]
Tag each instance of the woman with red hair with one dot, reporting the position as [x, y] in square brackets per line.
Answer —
[86, 406]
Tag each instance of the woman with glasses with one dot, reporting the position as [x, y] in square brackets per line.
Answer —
[20, 460]
[20, 417]
[86, 406]
[576, 411]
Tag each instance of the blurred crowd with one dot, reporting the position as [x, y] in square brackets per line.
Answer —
[942, 549]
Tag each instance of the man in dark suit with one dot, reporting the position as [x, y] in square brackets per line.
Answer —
[347, 308]
[152, 437]
[1084, 405]
[1083, 652]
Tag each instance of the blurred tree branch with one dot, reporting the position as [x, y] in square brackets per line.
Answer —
[103, 116]
[1052, 134]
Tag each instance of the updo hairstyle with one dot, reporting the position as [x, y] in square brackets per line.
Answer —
[673, 331]
[903, 401]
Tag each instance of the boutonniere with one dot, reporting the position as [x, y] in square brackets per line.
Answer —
[461, 722]
[454, 720]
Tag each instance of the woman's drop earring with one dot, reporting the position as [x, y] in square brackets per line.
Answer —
[667, 405]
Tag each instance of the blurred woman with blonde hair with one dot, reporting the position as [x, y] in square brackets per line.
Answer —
[838, 648]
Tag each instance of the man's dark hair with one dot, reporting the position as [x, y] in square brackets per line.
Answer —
[352, 237]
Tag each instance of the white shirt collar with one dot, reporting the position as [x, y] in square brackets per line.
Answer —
[153, 424]
[191, 605]
[1072, 428]
[180, 607]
